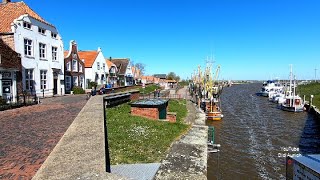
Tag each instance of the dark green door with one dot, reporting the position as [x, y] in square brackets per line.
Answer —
[162, 113]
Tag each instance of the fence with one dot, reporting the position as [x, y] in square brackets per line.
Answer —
[18, 101]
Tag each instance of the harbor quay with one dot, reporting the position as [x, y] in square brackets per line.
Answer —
[80, 153]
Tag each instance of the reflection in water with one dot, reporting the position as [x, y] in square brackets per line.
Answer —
[255, 135]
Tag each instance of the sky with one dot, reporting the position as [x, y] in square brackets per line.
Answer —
[249, 39]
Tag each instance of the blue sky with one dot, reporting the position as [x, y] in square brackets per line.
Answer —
[250, 39]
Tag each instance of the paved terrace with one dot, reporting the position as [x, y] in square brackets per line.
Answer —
[29, 134]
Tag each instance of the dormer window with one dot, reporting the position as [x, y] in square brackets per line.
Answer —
[54, 35]
[41, 31]
[26, 25]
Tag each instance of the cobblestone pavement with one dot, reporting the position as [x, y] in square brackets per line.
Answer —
[29, 134]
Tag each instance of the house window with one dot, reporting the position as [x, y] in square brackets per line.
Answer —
[27, 47]
[29, 79]
[42, 50]
[41, 30]
[54, 35]
[75, 80]
[80, 67]
[26, 25]
[43, 79]
[68, 82]
[81, 81]
[98, 65]
[74, 65]
[103, 66]
[54, 53]
[69, 66]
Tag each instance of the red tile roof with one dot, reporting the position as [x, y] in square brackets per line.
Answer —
[13, 10]
[89, 57]
[65, 53]
[109, 63]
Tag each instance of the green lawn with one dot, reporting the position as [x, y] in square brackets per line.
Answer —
[148, 89]
[135, 139]
[312, 88]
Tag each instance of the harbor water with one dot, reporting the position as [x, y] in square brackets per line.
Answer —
[256, 136]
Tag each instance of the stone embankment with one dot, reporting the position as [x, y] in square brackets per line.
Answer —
[187, 158]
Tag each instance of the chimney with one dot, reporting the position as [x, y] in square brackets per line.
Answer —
[5, 1]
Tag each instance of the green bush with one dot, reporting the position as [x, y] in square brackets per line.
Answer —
[92, 84]
[78, 90]
[2, 101]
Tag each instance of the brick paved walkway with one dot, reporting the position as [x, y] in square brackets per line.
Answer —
[28, 134]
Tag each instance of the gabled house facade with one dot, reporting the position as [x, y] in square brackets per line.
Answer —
[125, 75]
[74, 68]
[136, 75]
[112, 77]
[10, 73]
[96, 69]
[40, 46]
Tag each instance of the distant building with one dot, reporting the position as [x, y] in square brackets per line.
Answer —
[74, 68]
[39, 44]
[125, 75]
[161, 76]
[96, 69]
[136, 75]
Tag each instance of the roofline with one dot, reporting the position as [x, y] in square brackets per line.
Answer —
[6, 33]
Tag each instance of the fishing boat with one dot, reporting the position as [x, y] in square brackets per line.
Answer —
[214, 111]
[292, 102]
[269, 88]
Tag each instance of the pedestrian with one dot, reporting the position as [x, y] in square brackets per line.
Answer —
[158, 93]
[93, 91]
[155, 93]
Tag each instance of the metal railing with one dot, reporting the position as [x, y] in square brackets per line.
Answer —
[17, 101]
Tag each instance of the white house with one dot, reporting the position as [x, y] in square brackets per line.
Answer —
[40, 46]
[125, 75]
[96, 69]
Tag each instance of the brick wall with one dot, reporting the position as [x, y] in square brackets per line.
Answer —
[151, 113]
[134, 95]
[172, 117]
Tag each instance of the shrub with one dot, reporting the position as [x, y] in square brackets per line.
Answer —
[92, 84]
[78, 90]
[2, 101]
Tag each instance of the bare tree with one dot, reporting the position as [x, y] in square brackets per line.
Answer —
[141, 67]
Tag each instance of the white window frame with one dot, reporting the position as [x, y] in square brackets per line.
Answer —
[81, 80]
[68, 82]
[80, 67]
[68, 66]
[74, 65]
[54, 53]
[54, 35]
[104, 66]
[29, 76]
[75, 80]
[26, 25]
[28, 47]
[41, 31]
[98, 65]
[43, 79]
[42, 51]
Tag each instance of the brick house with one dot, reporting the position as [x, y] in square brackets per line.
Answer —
[96, 69]
[74, 68]
[10, 71]
[125, 75]
[40, 47]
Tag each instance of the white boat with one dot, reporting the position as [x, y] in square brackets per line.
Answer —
[292, 102]
[270, 87]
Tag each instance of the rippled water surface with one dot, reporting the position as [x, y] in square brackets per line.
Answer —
[254, 133]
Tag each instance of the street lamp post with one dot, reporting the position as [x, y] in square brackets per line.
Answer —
[107, 154]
